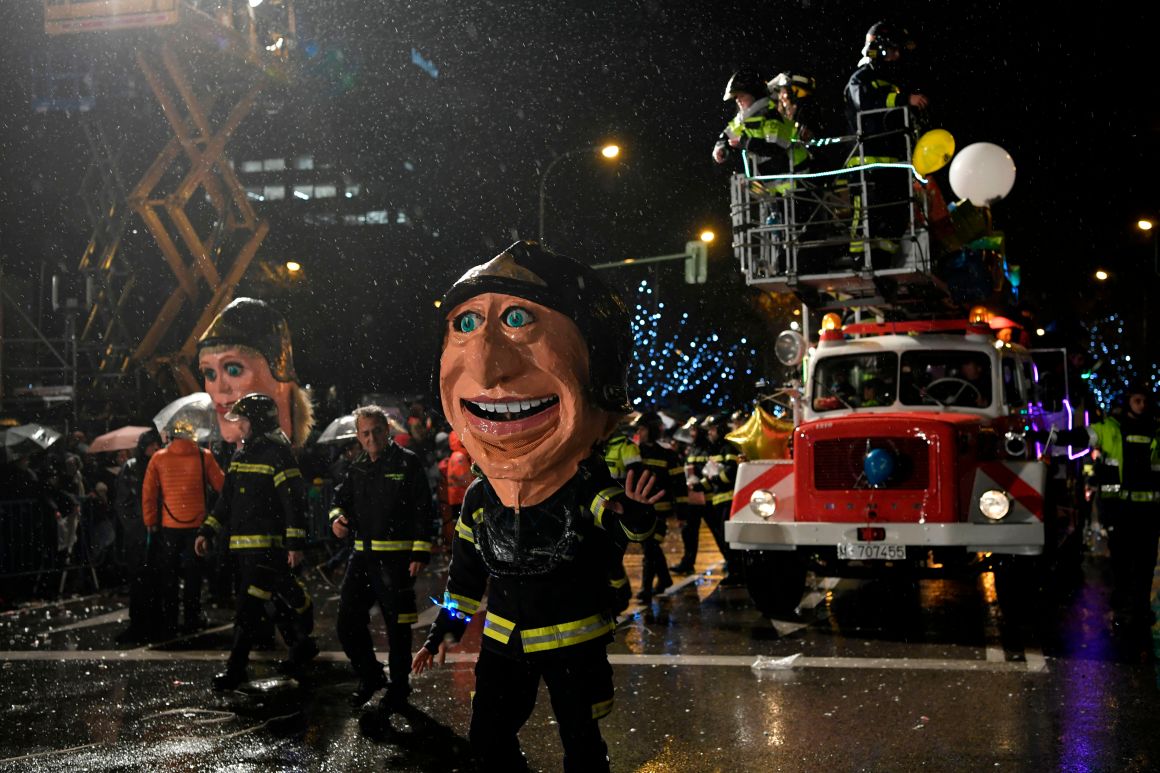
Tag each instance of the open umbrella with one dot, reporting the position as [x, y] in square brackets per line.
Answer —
[341, 430]
[28, 439]
[121, 439]
[197, 409]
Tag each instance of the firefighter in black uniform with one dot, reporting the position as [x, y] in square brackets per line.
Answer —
[533, 373]
[385, 500]
[665, 467]
[715, 478]
[263, 507]
[878, 84]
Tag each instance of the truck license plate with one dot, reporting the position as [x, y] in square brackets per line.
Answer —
[862, 551]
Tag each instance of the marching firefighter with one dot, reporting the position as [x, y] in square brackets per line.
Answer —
[666, 467]
[532, 374]
[385, 500]
[715, 480]
[1127, 451]
[263, 507]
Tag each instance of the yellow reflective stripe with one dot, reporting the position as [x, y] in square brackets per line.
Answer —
[465, 532]
[664, 465]
[394, 476]
[565, 634]
[663, 507]
[677, 471]
[462, 603]
[658, 536]
[477, 516]
[602, 709]
[293, 533]
[1137, 439]
[497, 628]
[385, 546]
[213, 523]
[255, 541]
[723, 497]
[620, 583]
[258, 593]
[892, 100]
[682, 500]
[420, 546]
[286, 475]
[1141, 496]
[638, 537]
[336, 513]
[408, 617]
[600, 502]
[261, 469]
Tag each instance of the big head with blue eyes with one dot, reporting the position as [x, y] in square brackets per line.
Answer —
[229, 372]
[513, 377]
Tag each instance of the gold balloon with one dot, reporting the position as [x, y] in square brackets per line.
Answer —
[762, 436]
[933, 151]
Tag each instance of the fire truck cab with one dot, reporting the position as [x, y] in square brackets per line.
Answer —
[922, 445]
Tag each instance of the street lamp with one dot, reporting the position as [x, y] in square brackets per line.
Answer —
[1149, 227]
[609, 151]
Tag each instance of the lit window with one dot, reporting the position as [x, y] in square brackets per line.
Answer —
[254, 193]
[273, 165]
[402, 218]
[354, 219]
[377, 217]
[353, 189]
[303, 191]
[251, 166]
[274, 192]
[325, 191]
[304, 162]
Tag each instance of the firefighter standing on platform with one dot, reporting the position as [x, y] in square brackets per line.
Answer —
[533, 375]
[715, 480]
[875, 86]
[385, 500]
[768, 138]
[263, 507]
[1127, 451]
[665, 465]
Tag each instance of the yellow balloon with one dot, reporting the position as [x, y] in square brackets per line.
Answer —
[933, 151]
[762, 436]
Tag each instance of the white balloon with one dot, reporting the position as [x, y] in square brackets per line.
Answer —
[983, 173]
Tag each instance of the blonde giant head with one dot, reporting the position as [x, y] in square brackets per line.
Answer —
[247, 349]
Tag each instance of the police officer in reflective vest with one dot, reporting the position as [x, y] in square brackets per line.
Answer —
[385, 500]
[263, 507]
[1127, 448]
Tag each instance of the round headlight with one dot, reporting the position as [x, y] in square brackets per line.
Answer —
[763, 502]
[994, 504]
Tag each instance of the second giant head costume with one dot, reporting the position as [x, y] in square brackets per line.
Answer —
[247, 349]
[533, 368]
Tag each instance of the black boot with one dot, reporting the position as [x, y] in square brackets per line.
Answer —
[230, 679]
[367, 686]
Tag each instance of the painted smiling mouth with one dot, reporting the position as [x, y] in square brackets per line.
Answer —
[511, 410]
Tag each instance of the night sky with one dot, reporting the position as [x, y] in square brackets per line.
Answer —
[1072, 98]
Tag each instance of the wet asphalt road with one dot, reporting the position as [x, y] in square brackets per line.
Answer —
[879, 676]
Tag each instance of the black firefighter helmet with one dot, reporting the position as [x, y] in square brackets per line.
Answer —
[718, 420]
[527, 270]
[745, 81]
[883, 36]
[259, 409]
[650, 420]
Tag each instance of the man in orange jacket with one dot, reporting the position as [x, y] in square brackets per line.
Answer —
[173, 503]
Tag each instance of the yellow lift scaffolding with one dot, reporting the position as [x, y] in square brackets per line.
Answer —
[243, 50]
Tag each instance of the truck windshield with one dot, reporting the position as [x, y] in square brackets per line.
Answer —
[948, 378]
[855, 381]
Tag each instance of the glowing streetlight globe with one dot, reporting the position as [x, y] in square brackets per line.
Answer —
[610, 151]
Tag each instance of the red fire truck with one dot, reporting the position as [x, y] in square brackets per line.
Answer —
[924, 444]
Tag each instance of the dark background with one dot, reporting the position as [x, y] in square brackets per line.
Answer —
[1070, 97]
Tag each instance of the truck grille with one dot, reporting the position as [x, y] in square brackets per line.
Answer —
[838, 463]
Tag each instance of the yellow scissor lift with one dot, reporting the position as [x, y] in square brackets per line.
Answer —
[814, 239]
[189, 198]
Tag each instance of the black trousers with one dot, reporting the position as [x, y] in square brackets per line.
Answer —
[654, 566]
[178, 561]
[269, 589]
[691, 533]
[580, 688]
[372, 579]
[715, 519]
[1133, 534]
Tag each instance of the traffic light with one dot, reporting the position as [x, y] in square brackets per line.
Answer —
[697, 262]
